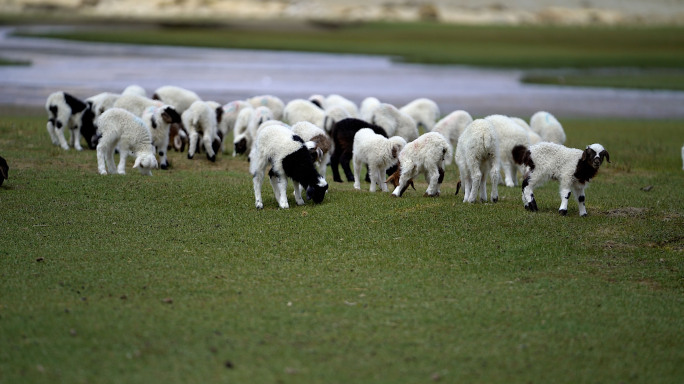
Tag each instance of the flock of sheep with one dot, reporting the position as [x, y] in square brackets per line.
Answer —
[298, 140]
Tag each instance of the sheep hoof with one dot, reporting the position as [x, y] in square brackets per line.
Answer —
[563, 212]
[212, 158]
[495, 199]
[338, 180]
[584, 215]
[190, 156]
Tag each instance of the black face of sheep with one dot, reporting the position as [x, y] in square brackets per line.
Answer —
[88, 128]
[241, 146]
[316, 193]
[594, 155]
[4, 170]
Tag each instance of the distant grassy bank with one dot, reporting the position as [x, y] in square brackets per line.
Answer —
[655, 55]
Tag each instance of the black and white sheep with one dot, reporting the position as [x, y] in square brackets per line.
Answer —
[289, 157]
[424, 112]
[573, 168]
[477, 155]
[309, 132]
[159, 121]
[343, 143]
[122, 129]
[379, 153]
[68, 112]
[426, 154]
[548, 127]
[200, 119]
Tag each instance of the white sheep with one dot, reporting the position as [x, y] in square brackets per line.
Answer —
[451, 126]
[158, 121]
[379, 152]
[547, 126]
[134, 89]
[246, 126]
[532, 136]
[477, 155]
[304, 110]
[179, 98]
[368, 106]
[68, 112]
[273, 103]
[426, 154]
[102, 102]
[137, 104]
[510, 135]
[289, 157]
[122, 129]
[200, 119]
[335, 100]
[309, 132]
[230, 115]
[395, 122]
[573, 168]
[424, 112]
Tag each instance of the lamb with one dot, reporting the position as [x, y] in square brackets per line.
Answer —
[248, 122]
[179, 98]
[343, 142]
[378, 152]
[395, 122]
[424, 112]
[102, 102]
[304, 110]
[547, 126]
[310, 132]
[201, 119]
[335, 100]
[137, 104]
[289, 157]
[68, 112]
[573, 168]
[134, 89]
[158, 121]
[129, 132]
[368, 106]
[426, 154]
[510, 134]
[4, 170]
[477, 154]
[271, 102]
[452, 126]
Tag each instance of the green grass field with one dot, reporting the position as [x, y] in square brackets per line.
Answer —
[178, 278]
[655, 55]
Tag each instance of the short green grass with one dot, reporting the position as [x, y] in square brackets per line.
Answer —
[525, 47]
[178, 278]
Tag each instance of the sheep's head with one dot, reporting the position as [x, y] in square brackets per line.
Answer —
[394, 180]
[178, 137]
[88, 128]
[146, 163]
[240, 146]
[317, 192]
[170, 115]
[594, 155]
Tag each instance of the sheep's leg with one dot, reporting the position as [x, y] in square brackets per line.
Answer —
[51, 131]
[528, 193]
[109, 158]
[476, 178]
[60, 136]
[298, 193]
[123, 153]
[565, 197]
[281, 186]
[76, 139]
[208, 148]
[357, 172]
[257, 181]
[435, 177]
[467, 185]
[509, 174]
[334, 166]
[345, 160]
[373, 176]
[101, 159]
[579, 195]
[380, 180]
[494, 175]
[194, 138]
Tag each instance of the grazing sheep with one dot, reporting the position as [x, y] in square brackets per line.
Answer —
[137, 104]
[547, 126]
[230, 115]
[573, 168]
[368, 106]
[129, 132]
[477, 154]
[378, 152]
[248, 122]
[424, 112]
[332, 116]
[532, 136]
[395, 122]
[510, 135]
[334, 100]
[310, 132]
[271, 102]
[179, 98]
[343, 143]
[451, 127]
[68, 112]
[289, 157]
[304, 110]
[4, 170]
[159, 121]
[102, 102]
[134, 89]
[200, 119]
[426, 154]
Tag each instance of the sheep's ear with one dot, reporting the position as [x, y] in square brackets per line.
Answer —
[219, 114]
[166, 117]
[319, 152]
[137, 162]
[605, 154]
[586, 154]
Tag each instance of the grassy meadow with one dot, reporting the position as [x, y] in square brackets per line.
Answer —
[179, 278]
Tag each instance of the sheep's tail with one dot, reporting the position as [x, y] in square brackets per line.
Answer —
[521, 155]
[458, 187]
